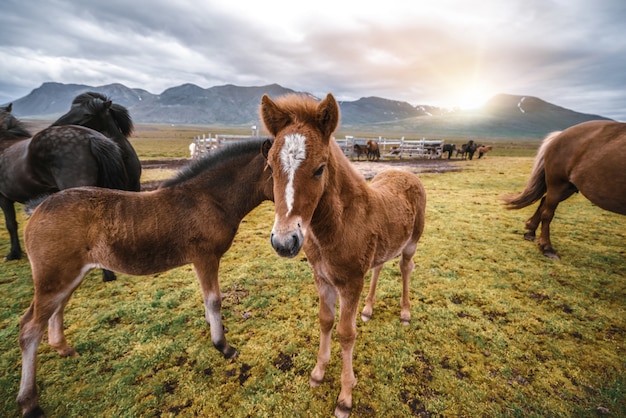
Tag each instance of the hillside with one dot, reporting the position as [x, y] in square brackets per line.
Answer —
[504, 116]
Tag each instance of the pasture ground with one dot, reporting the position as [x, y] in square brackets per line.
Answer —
[497, 329]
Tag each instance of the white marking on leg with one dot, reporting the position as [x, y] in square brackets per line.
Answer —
[292, 153]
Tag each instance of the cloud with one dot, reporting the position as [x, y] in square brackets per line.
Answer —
[570, 53]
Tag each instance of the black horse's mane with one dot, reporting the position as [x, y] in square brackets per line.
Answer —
[12, 125]
[215, 159]
[97, 102]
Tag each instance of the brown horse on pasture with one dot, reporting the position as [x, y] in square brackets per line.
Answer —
[191, 218]
[373, 150]
[483, 149]
[345, 225]
[588, 157]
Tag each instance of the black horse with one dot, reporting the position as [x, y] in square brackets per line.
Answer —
[468, 150]
[449, 148]
[57, 158]
[96, 111]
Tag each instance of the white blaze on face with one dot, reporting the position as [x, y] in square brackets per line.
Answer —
[292, 153]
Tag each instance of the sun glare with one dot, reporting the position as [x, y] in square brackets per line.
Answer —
[472, 98]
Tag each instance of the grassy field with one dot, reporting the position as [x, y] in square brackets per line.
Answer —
[497, 329]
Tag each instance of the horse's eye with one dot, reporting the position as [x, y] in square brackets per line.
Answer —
[319, 171]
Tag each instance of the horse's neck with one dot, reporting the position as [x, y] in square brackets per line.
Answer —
[238, 194]
[346, 188]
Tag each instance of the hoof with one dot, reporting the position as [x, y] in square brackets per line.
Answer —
[37, 412]
[342, 411]
[314, 382]
[365, 317]
[530, 236]
[405, 322]
[13, 257]
[108, 276]
[68, 352]
[552, 254]
[230, 353]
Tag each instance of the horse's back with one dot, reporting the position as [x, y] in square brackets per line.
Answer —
[401, 196]
[591, 156]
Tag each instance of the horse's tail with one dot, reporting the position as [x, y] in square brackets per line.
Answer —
[111, 170]
[31, 205]
[536, 185]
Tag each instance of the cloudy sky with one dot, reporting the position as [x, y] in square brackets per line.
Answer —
[446, 52]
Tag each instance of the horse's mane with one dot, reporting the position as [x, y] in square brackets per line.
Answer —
[10, 125]
[301, 107]
[215, 159]
[97, 102]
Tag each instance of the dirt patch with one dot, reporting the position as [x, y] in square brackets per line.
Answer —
[368, 168]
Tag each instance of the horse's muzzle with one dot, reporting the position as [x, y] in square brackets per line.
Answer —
[287, 245]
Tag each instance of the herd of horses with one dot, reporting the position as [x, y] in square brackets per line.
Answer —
[83, 176]
[371, 150]
[467, 150]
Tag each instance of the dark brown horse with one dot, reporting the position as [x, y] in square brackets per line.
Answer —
[56, 158]
[590, 158]
[192, 218]
[345, 225]
[373, 150]
[360, 150]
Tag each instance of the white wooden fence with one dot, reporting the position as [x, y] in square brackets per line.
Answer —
[203, 144]
[396, 148]
[389, 148]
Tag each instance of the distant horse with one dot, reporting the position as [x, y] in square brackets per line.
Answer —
[360, 150]
[588, 157]
[483, 149]
[58, 157]
[449, 148]
[373, 150]
[467, 150]
[97, 112]
[346, 225]
[191, 218]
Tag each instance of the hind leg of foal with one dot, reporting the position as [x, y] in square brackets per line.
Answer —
[406, 267]
[32, 327]
[56, 334]
[370, 300]
[207, 277]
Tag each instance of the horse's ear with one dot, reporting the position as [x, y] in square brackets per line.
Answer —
[328, 115]
[107, 104]
[273, 117]
[9, 107]
[265, 148]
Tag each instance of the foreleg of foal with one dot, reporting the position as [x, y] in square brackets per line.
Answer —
[207, 276]
[370, 300]
[328, 297]
[346, 330]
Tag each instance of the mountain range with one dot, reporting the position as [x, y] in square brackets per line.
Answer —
[503, 116]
